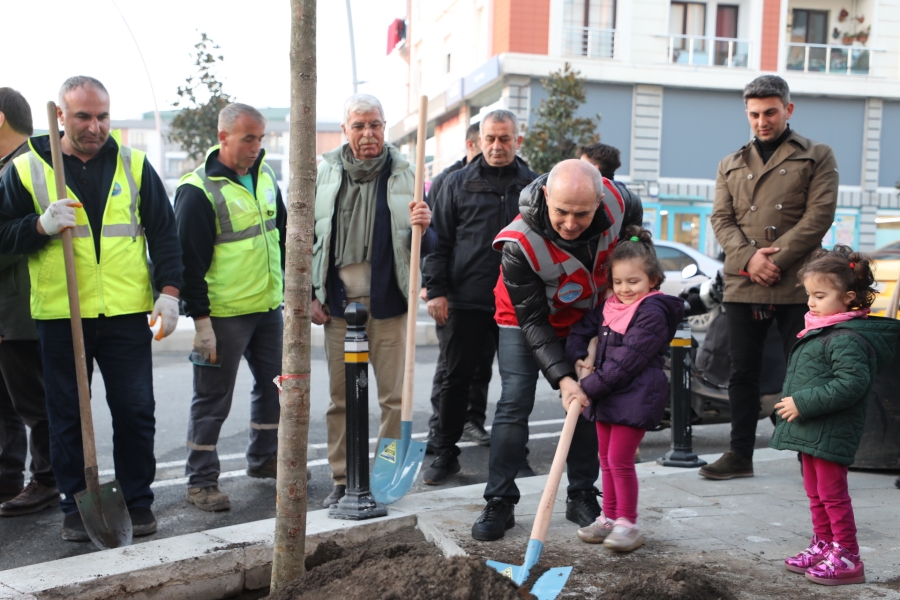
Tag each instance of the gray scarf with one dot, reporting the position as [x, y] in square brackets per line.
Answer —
[356, 203]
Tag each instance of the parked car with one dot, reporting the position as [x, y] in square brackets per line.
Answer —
[674, 257]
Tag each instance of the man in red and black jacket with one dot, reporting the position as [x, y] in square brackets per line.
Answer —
[553, 271]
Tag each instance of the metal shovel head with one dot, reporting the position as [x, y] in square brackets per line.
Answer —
[548, 586]
[397, 464]
[105, 516]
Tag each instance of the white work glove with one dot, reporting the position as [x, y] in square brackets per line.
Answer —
[205, 339]
[58, 216]
[166, 308]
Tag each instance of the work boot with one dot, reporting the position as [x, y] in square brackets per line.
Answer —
[8, 491]
[625, 536]
[36, 496]
[494, 520]
[841, 567]
[142, 520]
[267, 471]
[208, 498]
[445, 465]
[475, 433]
[596, 532]
[429, 440]
[335, 496]
[73, 528]
[730, 465]
[582, 507]
[816, 553]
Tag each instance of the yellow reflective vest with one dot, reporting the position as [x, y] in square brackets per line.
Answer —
[245, 274]
[116, 284]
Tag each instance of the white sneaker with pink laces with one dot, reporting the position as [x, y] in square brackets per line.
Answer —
[624, 537]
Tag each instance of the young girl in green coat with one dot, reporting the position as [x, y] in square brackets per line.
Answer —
[831, 371]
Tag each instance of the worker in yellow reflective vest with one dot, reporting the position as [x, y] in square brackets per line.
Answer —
[118, 210]
[231, 223]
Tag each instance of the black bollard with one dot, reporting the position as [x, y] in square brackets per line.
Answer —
[358, 502]
[682, 452]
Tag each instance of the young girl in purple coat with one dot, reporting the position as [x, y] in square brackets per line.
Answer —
[624, 380]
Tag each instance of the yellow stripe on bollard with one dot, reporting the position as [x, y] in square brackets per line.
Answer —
[680, 342]
[356, 357]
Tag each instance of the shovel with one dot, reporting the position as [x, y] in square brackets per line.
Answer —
[102, 507]
[551, 583]
[397, 462]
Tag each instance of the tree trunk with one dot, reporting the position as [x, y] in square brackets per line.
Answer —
[293, 431]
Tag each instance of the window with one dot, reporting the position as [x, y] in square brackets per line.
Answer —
[810, 27]
[588, 28]
[687, 18]
[727, 27]
[673, 260]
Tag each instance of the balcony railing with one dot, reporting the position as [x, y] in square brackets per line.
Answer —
[708, 51]
[589, 41]
[822, 58]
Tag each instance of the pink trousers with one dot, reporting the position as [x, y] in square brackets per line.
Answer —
[829, 502]
[617, 444]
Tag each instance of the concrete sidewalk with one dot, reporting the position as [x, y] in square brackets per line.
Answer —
[744, 527]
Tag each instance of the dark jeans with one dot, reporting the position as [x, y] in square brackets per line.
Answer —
[747, 339]
[509, 434]
[468, 335]
[22, 403]
[121, 347]
[478, 387]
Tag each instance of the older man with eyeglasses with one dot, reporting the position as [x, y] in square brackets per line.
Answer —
[364, 216]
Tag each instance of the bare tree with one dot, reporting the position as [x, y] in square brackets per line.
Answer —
[293, 431]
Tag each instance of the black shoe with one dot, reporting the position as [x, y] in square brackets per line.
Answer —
[730, 465]
[498, 516]
[445, 465]
[335, 496]
[142, 520]
[35, 497]
[73, 528]
[475, 433]
[582, 507]
[8, 491]
[525, 470]
[429, 439]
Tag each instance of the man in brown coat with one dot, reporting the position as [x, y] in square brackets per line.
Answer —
[775, 200]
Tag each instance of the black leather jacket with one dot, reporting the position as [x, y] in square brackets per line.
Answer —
[526, 288]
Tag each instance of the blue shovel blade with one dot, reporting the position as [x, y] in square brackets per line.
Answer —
[397, 464]
[548, 586]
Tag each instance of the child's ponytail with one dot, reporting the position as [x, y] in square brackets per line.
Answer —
[637, 243]
[850, 271]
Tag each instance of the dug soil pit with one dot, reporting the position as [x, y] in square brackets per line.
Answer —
[400, 566]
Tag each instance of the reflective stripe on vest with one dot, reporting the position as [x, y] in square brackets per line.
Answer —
[570, 289]
[226, 228]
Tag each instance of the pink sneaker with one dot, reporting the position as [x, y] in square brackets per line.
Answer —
[816, 553]
[597, 531]
[839, 568]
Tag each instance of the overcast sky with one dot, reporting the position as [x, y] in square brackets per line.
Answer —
[45, 41]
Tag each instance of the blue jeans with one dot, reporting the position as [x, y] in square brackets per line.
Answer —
[121, 347]
[509, 434]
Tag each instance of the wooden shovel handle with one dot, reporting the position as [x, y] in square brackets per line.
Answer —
[406, 406]
[84, 390]
[545, 508]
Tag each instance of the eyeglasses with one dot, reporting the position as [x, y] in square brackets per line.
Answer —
[375, 126]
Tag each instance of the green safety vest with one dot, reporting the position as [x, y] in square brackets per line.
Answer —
[117, 284]
[245, 274]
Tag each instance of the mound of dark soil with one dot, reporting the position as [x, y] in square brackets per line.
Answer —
[399, 567]
[674, 582]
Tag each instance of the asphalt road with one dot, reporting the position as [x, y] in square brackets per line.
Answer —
[36, 538]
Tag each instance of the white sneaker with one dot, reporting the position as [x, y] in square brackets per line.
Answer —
[597, 531]
[624, 537]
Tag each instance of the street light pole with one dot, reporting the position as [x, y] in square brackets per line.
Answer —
[352, 48]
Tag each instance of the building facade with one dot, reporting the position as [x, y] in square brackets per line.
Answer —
[666, 77]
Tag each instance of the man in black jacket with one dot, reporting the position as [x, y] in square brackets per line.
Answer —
[472, 206]
[608, 160]
[544, 289]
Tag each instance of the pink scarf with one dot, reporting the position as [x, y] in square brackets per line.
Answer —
[617, 316]
[820, 322]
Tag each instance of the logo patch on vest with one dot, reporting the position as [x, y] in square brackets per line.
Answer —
[117, 189]
[569, 292]
[270, 196]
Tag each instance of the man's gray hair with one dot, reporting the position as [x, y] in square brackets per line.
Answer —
[362, 104]
[588, 170]
[230, 114]
[767, 86]
[500, 116]
[75, 82]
